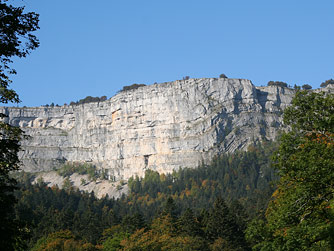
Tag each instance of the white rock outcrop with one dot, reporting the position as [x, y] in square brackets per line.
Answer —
[160, 127]
[100, 188]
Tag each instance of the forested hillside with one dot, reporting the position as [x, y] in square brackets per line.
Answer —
[230, 204]
[272, 196]
[186, 203]
[300, 215]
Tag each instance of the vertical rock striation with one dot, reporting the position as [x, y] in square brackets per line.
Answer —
[160, 127]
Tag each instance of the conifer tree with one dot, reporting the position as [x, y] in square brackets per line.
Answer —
[188, 224]
[222, 224]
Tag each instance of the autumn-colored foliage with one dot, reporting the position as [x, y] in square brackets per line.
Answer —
[300, 216]
[108, 222]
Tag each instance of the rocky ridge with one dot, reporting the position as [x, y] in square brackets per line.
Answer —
[161, 127]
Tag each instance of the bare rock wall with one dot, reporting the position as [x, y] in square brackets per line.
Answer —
[160, 127]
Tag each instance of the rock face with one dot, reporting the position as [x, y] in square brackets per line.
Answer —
[160, 127]
[101, 188]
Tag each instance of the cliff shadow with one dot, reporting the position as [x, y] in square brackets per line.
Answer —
[262, 97]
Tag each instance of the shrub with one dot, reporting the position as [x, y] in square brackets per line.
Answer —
[327, 82]
[306, 87]
[296, 87]
[67, 184]
[277, 83]
[83, 181]
[68, 169]
[131, 87]
[89, 99]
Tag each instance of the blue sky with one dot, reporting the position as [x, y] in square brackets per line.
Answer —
[96, 47]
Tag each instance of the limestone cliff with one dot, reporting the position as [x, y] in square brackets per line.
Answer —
[161, 127]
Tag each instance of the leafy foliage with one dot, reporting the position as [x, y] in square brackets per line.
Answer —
[89, 99]
[310, 113]
[46, 210]
[306, 87]
[301, 215]
[62, 240]
[56, 218]
[327, 82]
[245, 176]
[131, 87]
[16, 40]
[80, 168]
[161, 209]
[277, 83]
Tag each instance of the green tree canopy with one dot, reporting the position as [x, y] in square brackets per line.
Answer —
[306, 87]
[327, 82]
[222, 75]
[131, 87]
[16, 40]
[301, 215]
[277, 83]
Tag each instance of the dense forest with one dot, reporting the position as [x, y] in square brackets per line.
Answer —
[189, 200]
[246, 200]
[274, 196]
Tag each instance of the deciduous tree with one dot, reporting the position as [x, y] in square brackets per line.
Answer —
[301, 215]
[16, 40]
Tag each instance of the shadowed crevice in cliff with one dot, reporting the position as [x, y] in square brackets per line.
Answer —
[262, 97]
[161, 126]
